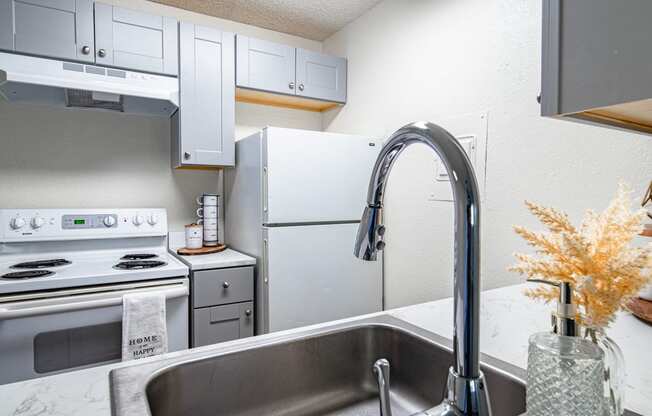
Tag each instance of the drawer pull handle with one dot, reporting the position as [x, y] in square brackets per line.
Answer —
[226, 285]
[248, 312]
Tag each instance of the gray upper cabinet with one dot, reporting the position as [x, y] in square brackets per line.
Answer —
[264, 65]
[277, 68]
[135, 40]
[321, 76]
[596, 62]
[53, 28]
[203, 128]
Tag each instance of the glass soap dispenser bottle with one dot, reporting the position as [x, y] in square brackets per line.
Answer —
[564, 371]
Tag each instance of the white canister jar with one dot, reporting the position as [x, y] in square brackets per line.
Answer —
[194, 236]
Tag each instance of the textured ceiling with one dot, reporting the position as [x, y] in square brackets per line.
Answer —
[312, 19]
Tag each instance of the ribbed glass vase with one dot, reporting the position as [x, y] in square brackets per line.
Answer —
[614, 371]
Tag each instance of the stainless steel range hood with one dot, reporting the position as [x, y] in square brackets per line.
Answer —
[74, 85]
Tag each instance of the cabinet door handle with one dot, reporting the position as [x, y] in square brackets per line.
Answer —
[291, 85]
[101, 53]
[226, 285]
[300, 87]
[248, 312]
[86, 49]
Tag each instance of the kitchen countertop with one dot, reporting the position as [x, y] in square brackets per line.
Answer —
[508, 318]
[221, 260]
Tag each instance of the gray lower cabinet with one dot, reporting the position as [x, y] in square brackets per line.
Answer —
[203, 128]
[222, 323]
[277, 68]
[222, 305]
[53, 28]
[134, 40]
[221, 286]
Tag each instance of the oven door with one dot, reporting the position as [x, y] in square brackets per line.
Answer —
[45, 333]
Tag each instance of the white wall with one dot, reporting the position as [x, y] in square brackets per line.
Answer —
[74, 158]
[432, 60]
[79, 158]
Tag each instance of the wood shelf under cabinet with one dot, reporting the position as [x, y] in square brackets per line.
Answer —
[199, 167]
[636, 115]
[245, 95]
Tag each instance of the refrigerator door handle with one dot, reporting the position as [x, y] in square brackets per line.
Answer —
[265, 186]
[265, 258]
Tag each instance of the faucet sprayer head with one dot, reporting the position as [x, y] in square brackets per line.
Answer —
[370, 234]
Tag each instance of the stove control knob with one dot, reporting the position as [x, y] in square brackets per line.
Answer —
[16, 223]
[152, 219]
[109, 221]
[37, 222]
[138, 220]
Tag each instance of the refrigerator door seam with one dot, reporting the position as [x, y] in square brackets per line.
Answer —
[300, 224]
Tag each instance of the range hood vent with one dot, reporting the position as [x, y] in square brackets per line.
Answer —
[92, 99]
[74, 85]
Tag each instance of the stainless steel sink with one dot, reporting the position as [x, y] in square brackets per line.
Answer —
[327, 371]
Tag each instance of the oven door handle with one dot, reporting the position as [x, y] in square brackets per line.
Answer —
[76, 303]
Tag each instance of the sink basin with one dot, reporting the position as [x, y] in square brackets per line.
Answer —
[325, 371]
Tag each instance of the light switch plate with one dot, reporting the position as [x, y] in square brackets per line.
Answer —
[471, 131]
[469, 143]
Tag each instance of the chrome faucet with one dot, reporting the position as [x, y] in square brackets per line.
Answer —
[466, 389]
[381, 371]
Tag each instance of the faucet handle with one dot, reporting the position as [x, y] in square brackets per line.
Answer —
[381, 370]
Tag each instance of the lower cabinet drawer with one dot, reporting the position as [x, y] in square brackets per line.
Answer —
[222, 286]
[222, 323]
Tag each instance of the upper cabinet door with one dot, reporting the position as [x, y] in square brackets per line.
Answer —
[52, 28]
[321, 76]
[264, 65]
[596, 62]
[135, 40]
[206, 116]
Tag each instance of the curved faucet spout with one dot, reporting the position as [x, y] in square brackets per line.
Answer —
[370, 239]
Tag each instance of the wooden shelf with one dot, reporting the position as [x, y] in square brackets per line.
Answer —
[636, 115]
[647, 232]
[280, 100]
[199, 167]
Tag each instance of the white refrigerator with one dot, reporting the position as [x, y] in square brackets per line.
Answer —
[294, 201]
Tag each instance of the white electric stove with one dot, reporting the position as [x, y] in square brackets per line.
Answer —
[63, 273]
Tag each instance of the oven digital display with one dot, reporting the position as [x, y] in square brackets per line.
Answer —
[79, 222]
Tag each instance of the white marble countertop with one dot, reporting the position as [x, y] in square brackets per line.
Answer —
[221, 260]
[508, 319]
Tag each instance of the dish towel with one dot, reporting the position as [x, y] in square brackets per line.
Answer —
[144, 330]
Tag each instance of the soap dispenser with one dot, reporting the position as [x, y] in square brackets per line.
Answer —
[564, 371]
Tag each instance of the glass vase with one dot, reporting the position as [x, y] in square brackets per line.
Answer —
[614, 371]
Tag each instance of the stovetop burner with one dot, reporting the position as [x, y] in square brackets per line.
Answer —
[41, 264]
[138, 256]
[27, 274]
[139, 264]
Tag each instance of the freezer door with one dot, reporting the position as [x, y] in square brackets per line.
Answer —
[312, 276]
[311, 176]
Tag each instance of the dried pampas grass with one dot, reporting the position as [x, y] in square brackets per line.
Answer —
[597, 258]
